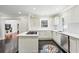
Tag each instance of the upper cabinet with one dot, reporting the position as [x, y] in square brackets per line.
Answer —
[59, 23]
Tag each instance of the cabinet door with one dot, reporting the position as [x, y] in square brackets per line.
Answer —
[45, 35]
[54, 36]
[57, 37]
[73, 45]
[77, 45]
[28, 45]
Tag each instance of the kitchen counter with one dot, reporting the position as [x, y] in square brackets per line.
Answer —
[26, 34]
[75, 35]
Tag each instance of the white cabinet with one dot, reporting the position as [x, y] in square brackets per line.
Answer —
[28, 44]
[59, 23]
[73, 45]
[45, 34]
[57, 37]
[77, 45]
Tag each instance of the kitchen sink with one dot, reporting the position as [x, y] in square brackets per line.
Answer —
[31, 32]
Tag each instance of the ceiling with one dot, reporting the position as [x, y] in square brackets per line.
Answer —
[42, 10]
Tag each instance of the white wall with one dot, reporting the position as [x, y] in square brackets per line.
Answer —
[71, 18]
[2, 26]
[13, 24]
[51, 22]
[2, 29]
[35, 23]
[23, 24]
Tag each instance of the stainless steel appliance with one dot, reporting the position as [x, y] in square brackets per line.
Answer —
[65, 42]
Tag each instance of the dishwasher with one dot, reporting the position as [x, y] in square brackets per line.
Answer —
[65, 42]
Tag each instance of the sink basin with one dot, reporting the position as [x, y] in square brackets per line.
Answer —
[31, 32]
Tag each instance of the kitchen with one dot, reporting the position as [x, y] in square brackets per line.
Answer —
[39, 29]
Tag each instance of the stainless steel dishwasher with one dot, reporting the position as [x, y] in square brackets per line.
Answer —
[65, 42]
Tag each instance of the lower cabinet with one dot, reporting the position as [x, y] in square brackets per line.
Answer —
[77, 45]
[57, 37]
[45, 34]
[74, 42]
[28, 44]
[73, 45]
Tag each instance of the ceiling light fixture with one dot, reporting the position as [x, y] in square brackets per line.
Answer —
[20, 12]
[34, 8]
[57, 9]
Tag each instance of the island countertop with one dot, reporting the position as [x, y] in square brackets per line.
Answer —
[26, 34]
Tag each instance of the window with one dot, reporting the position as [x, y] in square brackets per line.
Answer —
[44, 23]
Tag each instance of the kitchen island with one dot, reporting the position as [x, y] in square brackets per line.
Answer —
[28, 42]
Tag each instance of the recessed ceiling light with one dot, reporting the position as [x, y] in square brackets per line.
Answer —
[34, 8]
[20, 12]
[57, 9]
